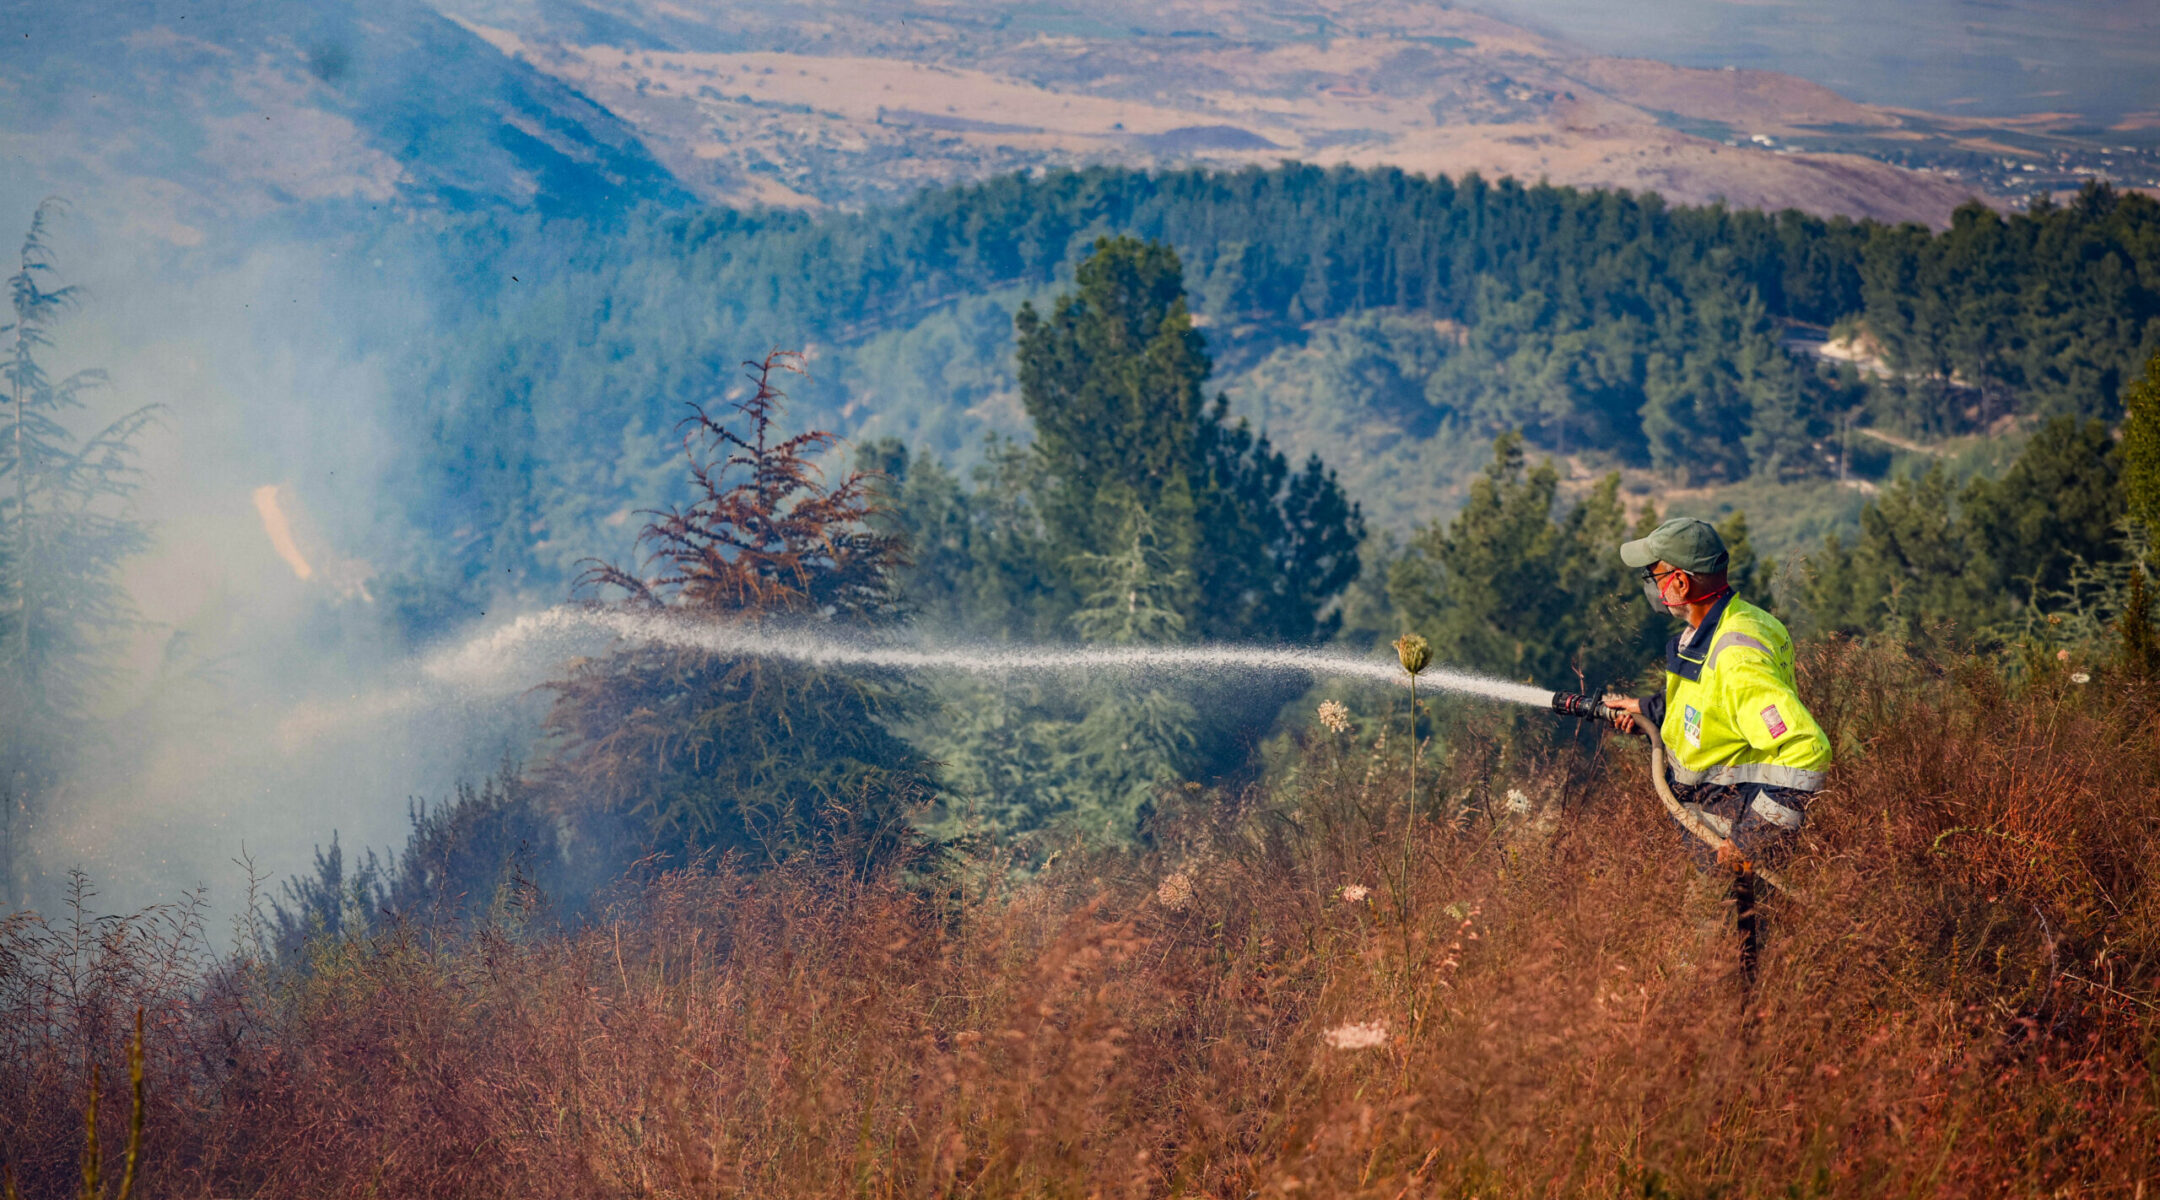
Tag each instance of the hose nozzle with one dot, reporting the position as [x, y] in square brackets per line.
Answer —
[1587, 708]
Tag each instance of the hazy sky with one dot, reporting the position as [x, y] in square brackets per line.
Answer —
[1995, 57]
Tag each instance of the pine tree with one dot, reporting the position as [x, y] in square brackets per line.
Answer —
[1909, 570]
[2059, 505]
[1749, 573]
[1134, 592]
[67, 529]
[1113, 379]
[1135, 737]
[1484, 588]
[1513, 586]
[1277, 546]
[707, 754]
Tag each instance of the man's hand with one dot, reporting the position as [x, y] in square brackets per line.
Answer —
[1730, 858]
[1624, 711]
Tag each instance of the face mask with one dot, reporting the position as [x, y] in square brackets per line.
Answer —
[1654, 590]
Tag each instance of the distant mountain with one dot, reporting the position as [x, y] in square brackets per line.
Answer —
[173, 116]
[170, 114]
[851, 102]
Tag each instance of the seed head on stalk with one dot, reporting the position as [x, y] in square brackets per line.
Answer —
[1415, 654]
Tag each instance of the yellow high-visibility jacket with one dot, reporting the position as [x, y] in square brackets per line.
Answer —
[1731, 711]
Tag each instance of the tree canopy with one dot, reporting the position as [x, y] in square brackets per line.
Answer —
[713, 753]
[1596, 322]
[1112, 380]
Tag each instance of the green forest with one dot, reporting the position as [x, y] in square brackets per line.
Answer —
[1431, 376]
[1399, 321]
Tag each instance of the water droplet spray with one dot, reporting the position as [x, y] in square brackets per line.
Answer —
[560, 633]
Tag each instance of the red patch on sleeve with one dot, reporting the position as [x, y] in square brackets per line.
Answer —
[1776, 723]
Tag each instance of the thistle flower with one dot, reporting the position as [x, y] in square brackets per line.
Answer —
[1335, 716]
[1356, 1036]
[1353, 893]
[1414, 652]
[1175, 891]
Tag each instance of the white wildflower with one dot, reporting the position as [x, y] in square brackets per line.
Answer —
[1353, 893]
[1517, 802]
[1175, 891]
[1356, 1036]
[1335, 716]
[2081, 677]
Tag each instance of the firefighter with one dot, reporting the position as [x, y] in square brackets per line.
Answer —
[1746, 754]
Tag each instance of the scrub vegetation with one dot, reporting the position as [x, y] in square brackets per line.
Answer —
[1958, 1002]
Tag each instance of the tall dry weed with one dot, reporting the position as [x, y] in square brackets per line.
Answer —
[1958, 1001]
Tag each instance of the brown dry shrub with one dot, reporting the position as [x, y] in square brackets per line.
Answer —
[1959, 1001]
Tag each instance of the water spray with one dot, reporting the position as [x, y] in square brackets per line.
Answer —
[560, 632]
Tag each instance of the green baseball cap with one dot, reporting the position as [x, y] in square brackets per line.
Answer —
[1684, 542]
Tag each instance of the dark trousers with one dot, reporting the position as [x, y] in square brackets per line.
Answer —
[1762, 822]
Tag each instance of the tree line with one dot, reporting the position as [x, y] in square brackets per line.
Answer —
[1592, 321]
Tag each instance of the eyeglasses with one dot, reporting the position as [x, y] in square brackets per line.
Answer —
[1653, 575]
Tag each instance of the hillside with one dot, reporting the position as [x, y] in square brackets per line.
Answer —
[1392, 326]
[852, 104]
[844, 103]
[181, 120]
[239, 109]
[485, 288]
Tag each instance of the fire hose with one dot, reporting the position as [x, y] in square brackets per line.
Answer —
[1590, 708]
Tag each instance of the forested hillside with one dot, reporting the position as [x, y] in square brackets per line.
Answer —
[1603, 325]
[892, 829]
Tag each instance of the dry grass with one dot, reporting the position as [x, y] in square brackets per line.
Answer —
[1962, 1003]
[808, 127]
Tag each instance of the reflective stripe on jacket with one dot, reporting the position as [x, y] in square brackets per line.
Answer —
[1732, 713]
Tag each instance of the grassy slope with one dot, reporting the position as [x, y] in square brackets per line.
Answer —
[1959, 1001]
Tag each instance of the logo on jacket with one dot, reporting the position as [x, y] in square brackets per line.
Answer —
[1691, 725]
[1776, 723]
